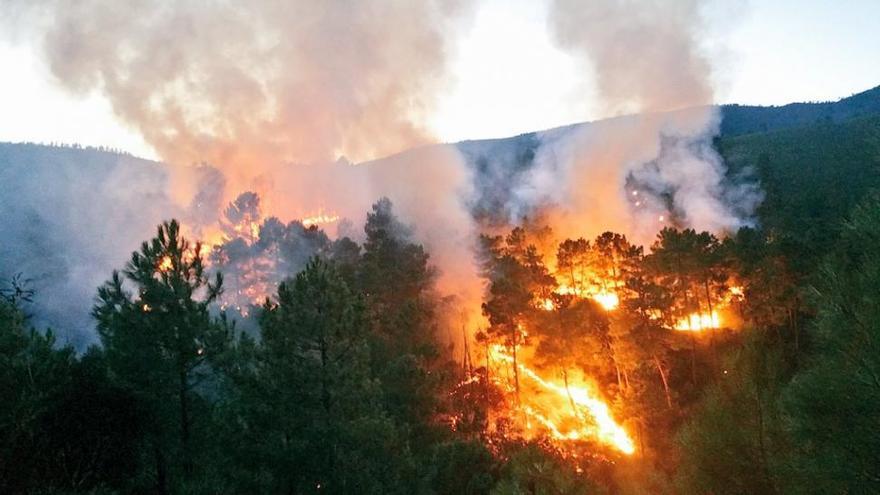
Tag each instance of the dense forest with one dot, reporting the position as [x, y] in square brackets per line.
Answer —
[736, 364]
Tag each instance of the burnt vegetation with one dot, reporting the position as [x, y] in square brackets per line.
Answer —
[739, 364]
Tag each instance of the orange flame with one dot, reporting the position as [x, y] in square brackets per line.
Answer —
[609, 300]
[593, 417]
[165, 264]
[320, 218]
[697, 322]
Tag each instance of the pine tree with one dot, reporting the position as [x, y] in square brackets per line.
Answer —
[309, 413]
[157, 340]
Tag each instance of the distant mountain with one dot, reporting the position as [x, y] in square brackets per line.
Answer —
[70, 215]
[744, 119]
[736, 120]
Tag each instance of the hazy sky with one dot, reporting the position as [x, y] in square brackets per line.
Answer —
[509, 78]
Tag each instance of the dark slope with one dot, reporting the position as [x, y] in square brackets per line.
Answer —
[812, 176]
[67, 212]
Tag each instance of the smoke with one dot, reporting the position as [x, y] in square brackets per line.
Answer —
[432, 188]
[644, 53]
[254, 86]
[272, 94]
[638, 173]
[275, 95]
[70, 216]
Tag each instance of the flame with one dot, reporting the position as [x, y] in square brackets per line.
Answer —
[247, 230]
[697, 322]
[320, 218]
[165, 264]
[609, 300]
[593, 418]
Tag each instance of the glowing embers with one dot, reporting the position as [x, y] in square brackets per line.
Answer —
[564, 413]
[547, 304]
[704, 320]
[698, 322]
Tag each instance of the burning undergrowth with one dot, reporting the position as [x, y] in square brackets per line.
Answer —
[573, 322]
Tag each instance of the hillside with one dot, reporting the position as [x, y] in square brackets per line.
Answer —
[745, 119]
[814, 160]
[69, 215]
[812, 176]
[814, 164]
[695, 366]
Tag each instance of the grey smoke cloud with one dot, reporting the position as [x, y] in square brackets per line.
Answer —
[271, 93]
[645, 54]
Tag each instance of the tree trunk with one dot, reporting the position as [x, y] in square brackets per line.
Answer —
[488, 377]
[712, 346]
[184, 421]
[515, 364]
[665, 382]
[762, 449]
[687, 308]
[619, 382]
[568, 391]
[325, 403]
[796, 327]
[708, 295]
[325, 392]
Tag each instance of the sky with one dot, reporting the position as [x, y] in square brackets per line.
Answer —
[509, 78]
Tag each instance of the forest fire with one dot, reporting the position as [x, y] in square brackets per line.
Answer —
[165, 264]
[607, 299]
[697, 322]
[320, 218]
[585, 416]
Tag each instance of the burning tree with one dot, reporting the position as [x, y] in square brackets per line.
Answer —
[519, 284]
[255, 254]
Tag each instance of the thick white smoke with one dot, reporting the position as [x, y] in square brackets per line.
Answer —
[272, 93]
[639, 173]
[253, 85]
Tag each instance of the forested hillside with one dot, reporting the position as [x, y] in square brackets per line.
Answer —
[812, 176]
[699, 363]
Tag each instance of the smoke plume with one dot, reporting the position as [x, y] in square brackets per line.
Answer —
[639, 173]
[252, 86]
[272, 94]
[281, 98]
